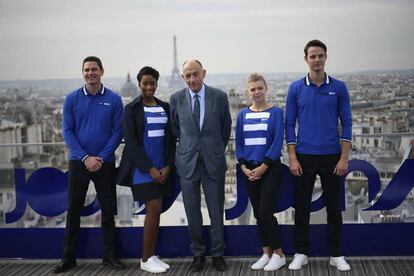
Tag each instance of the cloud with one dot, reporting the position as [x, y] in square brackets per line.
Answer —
[230, 36]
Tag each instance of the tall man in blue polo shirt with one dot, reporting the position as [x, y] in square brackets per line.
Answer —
[316, 102]
[92, 131]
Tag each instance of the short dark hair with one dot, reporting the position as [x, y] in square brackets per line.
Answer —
[147, 70]
[315, 43]
[92, 58]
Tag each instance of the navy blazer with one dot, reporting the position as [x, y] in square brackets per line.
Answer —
[133, 155]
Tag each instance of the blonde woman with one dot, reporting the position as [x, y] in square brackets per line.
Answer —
[259, 140]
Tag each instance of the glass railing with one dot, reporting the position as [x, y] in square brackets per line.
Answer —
[33, 187]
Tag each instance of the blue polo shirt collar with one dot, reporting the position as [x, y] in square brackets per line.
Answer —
[86, 92]
[308, 81]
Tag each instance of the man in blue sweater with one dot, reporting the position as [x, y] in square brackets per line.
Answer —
[91, 127]
[316, 102]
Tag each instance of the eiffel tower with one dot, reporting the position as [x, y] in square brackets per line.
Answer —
[175, 81]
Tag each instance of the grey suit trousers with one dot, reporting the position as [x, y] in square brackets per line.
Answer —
[214, 195]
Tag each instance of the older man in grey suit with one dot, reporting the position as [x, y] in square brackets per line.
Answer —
[201, 120]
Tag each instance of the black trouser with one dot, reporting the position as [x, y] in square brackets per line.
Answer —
[78, 183]
[323, 165]
[263, 195]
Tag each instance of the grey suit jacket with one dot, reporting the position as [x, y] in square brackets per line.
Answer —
[210, 141]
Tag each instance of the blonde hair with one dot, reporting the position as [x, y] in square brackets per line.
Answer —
[254, 77]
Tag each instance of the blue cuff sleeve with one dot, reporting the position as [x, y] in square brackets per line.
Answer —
[291, 116]
[345, 115]
[68, 123]
[275, 148]
[240, 139]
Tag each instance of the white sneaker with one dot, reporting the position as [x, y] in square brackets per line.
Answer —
[261, 263]
[298, 261]
[152, 266]
[340, 263]
[275, 262]
[161, 263]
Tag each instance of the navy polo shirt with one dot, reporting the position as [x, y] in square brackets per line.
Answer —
[316, 110]
[91, 124]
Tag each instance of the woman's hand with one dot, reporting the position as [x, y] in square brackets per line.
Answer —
[155, 174]
[245, 170]
[164, 172]
[258, 172]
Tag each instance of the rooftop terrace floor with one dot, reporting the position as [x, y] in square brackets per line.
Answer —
[318, 266]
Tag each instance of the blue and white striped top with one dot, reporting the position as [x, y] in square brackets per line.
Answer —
[155, 122]
[259, 135]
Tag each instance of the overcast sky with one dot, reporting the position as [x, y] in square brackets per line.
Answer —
[47, 39]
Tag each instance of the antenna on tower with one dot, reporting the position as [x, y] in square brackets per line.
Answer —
[175, 80]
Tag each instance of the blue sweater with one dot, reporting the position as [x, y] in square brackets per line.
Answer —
[317, 109]
[91, 124]
[259, 135]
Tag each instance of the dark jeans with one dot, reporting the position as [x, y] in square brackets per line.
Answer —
[323, 165]
[263, 195]
[78, 183]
